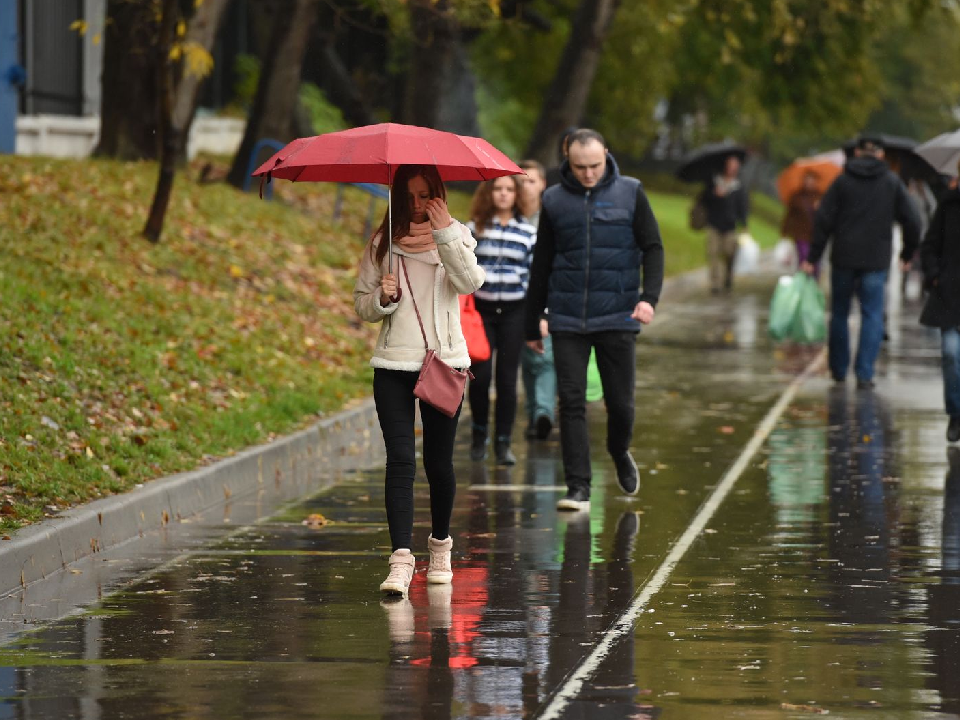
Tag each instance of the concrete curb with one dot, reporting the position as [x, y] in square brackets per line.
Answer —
[290, 467]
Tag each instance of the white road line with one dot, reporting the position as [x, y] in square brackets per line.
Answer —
[624, 624]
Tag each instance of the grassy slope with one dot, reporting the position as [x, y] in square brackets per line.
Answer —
[121, 361]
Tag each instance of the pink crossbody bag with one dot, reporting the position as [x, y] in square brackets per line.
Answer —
[438, 385]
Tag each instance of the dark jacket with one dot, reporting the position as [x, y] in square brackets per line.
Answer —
[858, 212]
[940, 256]
[726, 212]
[591, 244]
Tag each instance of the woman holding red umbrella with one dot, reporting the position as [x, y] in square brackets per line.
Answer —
[436, 263]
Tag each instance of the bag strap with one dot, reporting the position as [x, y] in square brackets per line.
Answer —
[406, 277]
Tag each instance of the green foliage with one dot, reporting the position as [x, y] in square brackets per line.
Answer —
[247, 70]
[324, 115]
[919, 59]
[635, 74]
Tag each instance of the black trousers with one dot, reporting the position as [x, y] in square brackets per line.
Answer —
[503, 323]
[616, 361]
[393, 394]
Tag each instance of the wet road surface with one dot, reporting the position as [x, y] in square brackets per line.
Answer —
[827, 580]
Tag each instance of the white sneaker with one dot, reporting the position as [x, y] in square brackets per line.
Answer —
[401, 573]
[440, 572]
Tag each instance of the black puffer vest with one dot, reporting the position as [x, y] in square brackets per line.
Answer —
[595, 281]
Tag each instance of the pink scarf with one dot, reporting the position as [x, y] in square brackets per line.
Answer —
[419, 240]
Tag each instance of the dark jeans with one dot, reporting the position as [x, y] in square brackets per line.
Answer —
[950, 355]
[393, 394]
[503, 323]
[616, 361]
[869, 286]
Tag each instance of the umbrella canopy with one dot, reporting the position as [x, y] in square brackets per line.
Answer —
[942, 152]
[373, 153]
[824, 168]
[705, 162]
[901, 153]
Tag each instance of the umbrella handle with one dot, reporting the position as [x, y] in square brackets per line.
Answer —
[396, 298]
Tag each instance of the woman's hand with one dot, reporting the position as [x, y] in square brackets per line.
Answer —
[439, 215]
[388, 289]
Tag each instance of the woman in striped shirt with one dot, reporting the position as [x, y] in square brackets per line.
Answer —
[505, 251]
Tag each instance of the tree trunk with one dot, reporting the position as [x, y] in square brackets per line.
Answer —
[566, 100]
[274, 106]
[168, 132]
[128, 106]
[435, 34]
[203, 30]
[340, 87]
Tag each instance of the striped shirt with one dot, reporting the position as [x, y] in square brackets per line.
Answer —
[505, 252]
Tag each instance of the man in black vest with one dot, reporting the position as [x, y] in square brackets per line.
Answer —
[596, 231]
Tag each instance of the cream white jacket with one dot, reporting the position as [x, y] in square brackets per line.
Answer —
[438, 278]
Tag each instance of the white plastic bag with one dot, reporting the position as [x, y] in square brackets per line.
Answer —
[748, 255]
[785, 254]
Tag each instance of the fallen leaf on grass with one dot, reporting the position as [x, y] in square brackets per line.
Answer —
[727, 429]
[315, 521]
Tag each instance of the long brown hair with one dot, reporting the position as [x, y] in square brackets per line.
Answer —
[481, 207]
[401, 204]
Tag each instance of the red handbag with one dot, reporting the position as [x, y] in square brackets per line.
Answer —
[438, 385]
[473, 331]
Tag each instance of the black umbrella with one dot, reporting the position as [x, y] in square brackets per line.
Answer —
[702, 164]
[899, 152]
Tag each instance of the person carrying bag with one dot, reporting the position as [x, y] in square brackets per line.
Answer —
[439, 264]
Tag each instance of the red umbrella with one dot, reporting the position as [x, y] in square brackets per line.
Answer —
[373, 153]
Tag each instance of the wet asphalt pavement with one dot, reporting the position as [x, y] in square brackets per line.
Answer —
[828, 580]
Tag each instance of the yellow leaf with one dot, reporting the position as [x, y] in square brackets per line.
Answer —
[199, 61]
[181, 28]
[236, 271]
[80, 26]
[197, 3]
[89, 453]
[175, 52]
[96, 39]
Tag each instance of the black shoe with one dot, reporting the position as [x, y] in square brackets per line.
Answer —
[577, 498]
[627, 474]
[953, 429]
[503, 452]
[544, 426]
[865, 384]
[478, 447]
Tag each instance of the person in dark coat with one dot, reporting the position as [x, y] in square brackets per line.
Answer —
[940, 257]
[858, 213]
[727, 204]
[597, 233]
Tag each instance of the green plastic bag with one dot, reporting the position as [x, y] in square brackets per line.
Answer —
[594, 386]
[797, 310]
[810, 322]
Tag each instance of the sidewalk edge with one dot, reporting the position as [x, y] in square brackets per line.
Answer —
[292, 466]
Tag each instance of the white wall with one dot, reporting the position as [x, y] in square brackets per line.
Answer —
[66, 136]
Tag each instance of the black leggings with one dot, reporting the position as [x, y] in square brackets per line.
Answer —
[393, 394]
[503, 323]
